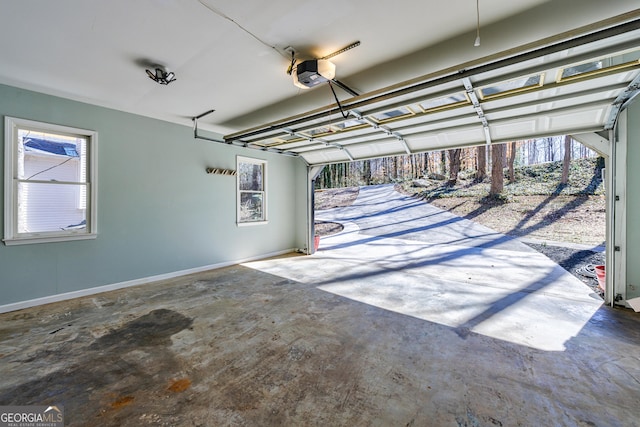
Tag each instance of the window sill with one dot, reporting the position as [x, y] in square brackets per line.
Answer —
[48, 239]
[246, 224]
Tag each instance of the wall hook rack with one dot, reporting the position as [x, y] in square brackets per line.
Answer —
[219, 171]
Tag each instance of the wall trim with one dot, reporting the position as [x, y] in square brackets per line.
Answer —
[129, 283]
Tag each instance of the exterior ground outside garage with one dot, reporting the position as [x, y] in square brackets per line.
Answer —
[584, 223]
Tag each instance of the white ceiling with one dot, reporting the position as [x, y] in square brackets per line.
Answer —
[96, 50]
[229, 56]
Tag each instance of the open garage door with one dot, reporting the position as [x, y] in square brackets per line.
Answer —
[576, 84]
[566, 87]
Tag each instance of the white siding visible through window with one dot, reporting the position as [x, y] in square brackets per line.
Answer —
[50, 171]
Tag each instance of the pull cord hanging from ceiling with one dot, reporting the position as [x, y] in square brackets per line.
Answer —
[477, 42]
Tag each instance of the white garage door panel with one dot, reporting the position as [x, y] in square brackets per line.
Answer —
[423, 143]
[577, 120]
[429, 125]
[360, 138]
[548, 103]
[326, 156]
[300, 145]
[514, 129]
[381, 148]
[462, 136]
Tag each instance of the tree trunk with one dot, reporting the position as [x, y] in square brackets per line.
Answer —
[454, 165]
[504, 156]
[443, 163]
[415, 166]
[497, 169]
[512, 159]
[482, 163]
[366, 172]
[394, 169]
[566, 162]
[533, 152]
[425, 165]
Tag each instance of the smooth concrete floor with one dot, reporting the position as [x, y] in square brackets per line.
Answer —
[373, 330]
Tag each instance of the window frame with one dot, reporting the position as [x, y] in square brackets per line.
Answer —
[263, 164]
[12, 236]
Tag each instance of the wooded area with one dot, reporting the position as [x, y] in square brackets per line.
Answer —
[447, 165]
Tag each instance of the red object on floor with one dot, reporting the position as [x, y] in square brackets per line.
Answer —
[601, 275]
[316, 242]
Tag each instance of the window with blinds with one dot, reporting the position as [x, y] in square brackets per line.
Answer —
[49, 182]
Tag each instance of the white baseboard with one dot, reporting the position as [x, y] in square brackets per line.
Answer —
[112, 287]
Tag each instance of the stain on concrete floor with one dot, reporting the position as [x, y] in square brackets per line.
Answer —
[237, 347]
[106, 374]
[151, 330]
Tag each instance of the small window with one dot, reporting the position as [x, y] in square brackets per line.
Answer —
[252, 195]
[272, 142]
[391, 115]
[600, 66]
[49, 182]
[444, 102]
[513, 86]
[577, 70]
[318, 132]
[351, 124]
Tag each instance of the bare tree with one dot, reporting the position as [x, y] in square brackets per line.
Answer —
[497, 169]
[366, 172]
[566, 161]
[511, 160]
[533, 152]
[425, 164]
[482, 163]
[454, 165]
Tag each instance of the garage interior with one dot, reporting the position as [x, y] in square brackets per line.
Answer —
[171, 311]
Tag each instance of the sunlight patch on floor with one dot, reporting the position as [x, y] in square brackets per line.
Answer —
[518, 297]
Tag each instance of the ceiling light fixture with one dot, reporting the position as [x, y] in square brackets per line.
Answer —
[477, 42]
[161, 76]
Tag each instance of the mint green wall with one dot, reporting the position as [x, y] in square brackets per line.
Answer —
[633, 201]
[158, 210]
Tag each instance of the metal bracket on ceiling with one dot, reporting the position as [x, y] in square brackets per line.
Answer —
[235, 142]
[473, 97]
[403, 141]
[623, 101]
[384, 129]
[367, 120]
[339, 147]
[321, 141]
[196, 135]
